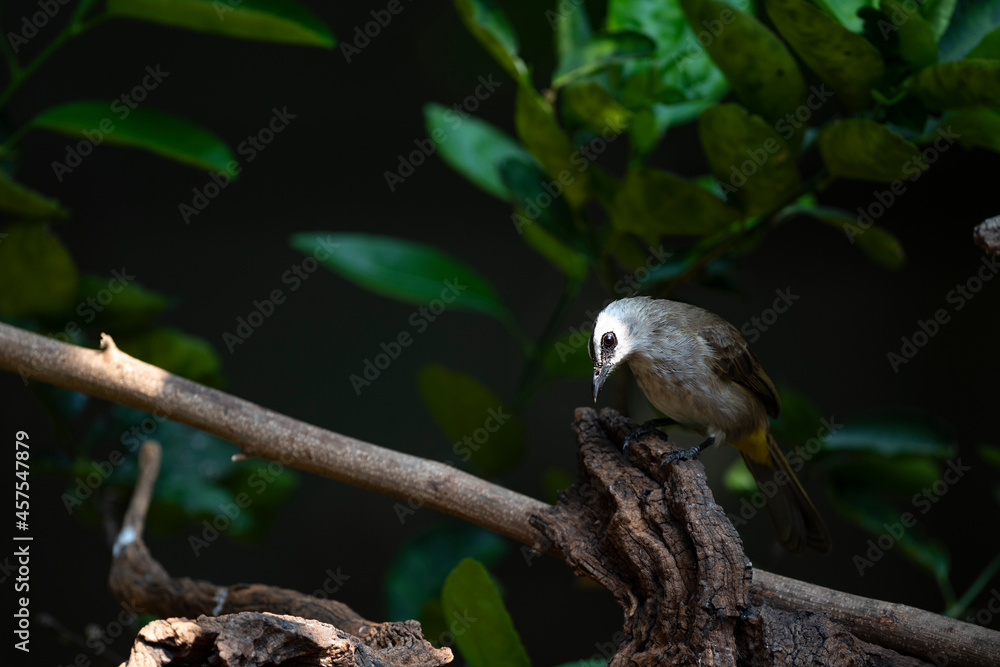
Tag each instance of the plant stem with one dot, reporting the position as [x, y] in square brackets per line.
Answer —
[526, 385]
[958, 608]
[77, 26]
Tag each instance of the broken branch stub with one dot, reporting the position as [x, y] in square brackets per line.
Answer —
[674, 562]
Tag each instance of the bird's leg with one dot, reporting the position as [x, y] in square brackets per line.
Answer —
[686, 454]
[649, 427]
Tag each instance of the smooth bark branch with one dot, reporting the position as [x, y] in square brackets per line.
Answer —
[113, 375]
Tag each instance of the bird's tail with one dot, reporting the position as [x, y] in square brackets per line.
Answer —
[796, 522]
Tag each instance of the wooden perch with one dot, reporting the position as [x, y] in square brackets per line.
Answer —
[987, 235]
[114, 375]
[336, 636]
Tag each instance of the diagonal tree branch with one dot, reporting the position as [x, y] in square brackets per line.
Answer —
[113, 375]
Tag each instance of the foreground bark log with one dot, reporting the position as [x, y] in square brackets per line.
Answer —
[337, 635]
[675, 563]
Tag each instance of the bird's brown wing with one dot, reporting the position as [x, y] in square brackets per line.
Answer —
[734, 361]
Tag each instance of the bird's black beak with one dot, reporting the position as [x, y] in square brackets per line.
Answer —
[600, 375]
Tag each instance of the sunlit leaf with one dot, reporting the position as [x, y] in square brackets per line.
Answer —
[541, 134]
[652, 203]
[965, 83]
[490, 641]
[490, 27]
[587, 103]
[762, 72]
[159, 132]
[844, 60]
[869, 151]
[750, 159]
[599, 52]
[404, 270]
[263, 20]
[484, 434]
[37, 273]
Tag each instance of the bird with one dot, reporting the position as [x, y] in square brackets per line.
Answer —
[697, 369]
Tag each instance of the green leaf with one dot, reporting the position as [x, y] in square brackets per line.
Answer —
[799, 420]
[938, 13]
[759, 67]
[490, 640]
[748, 157]
[572, 30]
[600, 52]
[567, 357]
[111, 305]
[472, 147]
[474, 419]
[845, 11]
[917, 43]
[420, 566]
[555, 480]
[893, 433]
[975, 128]
[992, 454]
[281, 21]
[882, 246]
[541, 134]
[884, 521]
[965, 83]
[491, 29]
[570, 262]
[970, 22]
[37, 274]
[24, 202]
[155, 131]
[404, 270]
[587, 103]
[863, 149]
[538, 199]
[179, 353]
[652, 203]
[846, 61]
[988, 47]
[738, 479]
[900, 476]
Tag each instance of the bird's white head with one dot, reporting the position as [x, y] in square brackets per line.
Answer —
[615, 338]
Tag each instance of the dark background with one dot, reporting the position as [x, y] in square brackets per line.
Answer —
[325, 172]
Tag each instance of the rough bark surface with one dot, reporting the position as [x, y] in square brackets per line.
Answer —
[139, 581]
[675, 563]
[987, 235]
[249, 639]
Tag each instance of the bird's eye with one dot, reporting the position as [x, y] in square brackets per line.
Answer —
[609, 340]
